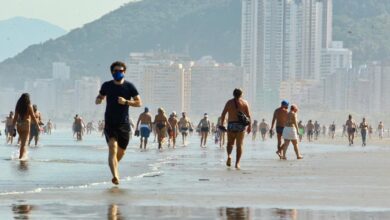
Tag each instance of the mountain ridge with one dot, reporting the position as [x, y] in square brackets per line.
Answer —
[199, 27]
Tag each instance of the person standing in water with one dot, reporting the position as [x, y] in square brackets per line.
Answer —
[49, 127]
[34, 131]
[236, 109]
[221, 133]
[290, 133]
[24, 115]
[9, 129]
[204, 126]
[301, 130]
[351, 129]
[162, 124]
[310, 130]
[381, 130]
[364, 130]
[263, 129]
[173, 132]
[185, 126]
[280, 117]
[255, 128]
[332, 130]
[144, 127]
[120, 95]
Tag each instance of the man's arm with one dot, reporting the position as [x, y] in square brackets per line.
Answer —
[139, 120]
[223, 115]
[99, 99]
[248, 112]
[135, 102]
[273, 120]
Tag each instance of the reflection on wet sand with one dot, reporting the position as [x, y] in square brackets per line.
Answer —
[114, 213]
[22, 211]
[286, 214]
[235, 213]
[23, 166]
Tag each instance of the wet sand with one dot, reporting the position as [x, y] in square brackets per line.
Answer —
[332, 182]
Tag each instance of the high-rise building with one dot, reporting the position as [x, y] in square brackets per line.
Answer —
[335, 57]
[61, 71]
[282, 40]
[212, 84]
[162, 80]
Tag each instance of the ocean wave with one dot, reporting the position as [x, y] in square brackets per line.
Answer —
[155, 171]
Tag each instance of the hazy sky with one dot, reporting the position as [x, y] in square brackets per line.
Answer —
[67, 14]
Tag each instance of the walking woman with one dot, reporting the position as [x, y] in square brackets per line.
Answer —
[290, 133]
[162, 125]
[24, 114]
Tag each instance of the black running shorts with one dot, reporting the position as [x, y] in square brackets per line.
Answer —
[121, 133]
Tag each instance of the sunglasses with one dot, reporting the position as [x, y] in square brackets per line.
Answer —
[119, 70]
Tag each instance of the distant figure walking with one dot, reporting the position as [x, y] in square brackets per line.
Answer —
[255, 128]
[204, 126]
[144, 127]
[264, 127]
[9, 129]
[290, 133]
[24, 115]
[364, 130]
[351, 129]
[310, 130]
[381, 130]
[280, 117]
[239, 119]
[34, 130]
[162, 124]
[174, 129]
[185, 127]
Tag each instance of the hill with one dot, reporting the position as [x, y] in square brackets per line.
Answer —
[13, 34]
[199, 27]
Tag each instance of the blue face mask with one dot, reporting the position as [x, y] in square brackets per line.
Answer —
[118, 76]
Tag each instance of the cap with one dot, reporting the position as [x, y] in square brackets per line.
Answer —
[285, 103]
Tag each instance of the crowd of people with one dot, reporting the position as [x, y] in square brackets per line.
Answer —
[229, 129]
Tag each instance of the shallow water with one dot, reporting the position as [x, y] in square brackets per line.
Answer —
[67, 179]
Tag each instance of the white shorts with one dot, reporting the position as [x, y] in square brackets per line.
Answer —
[290, 133]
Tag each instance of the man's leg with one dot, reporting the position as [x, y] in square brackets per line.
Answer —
[120, 153]
[145, 142]
[141, 143]
[230, 142]
[113, 160]
[239, 144]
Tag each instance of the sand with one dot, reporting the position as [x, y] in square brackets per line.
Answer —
[337, 182]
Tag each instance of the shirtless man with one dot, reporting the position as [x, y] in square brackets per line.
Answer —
[162, 124]
[174, 131]
[236, 129]
[34, 129]
[49, 127]
[144, 127]
[204, 126]
[310, 130]
[351, 129]
[332, 130]
[263, 129]
[280, 117]
[363, 130]
[185, 126]
[9, 129]
[381, 130]
[79, 126]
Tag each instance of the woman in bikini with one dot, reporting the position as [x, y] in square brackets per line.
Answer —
[161, 123]
[290, 133]
[23, 115]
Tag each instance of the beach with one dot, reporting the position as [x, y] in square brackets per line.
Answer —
[65, 179]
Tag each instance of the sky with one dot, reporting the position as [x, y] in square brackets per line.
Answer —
[67, 14]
